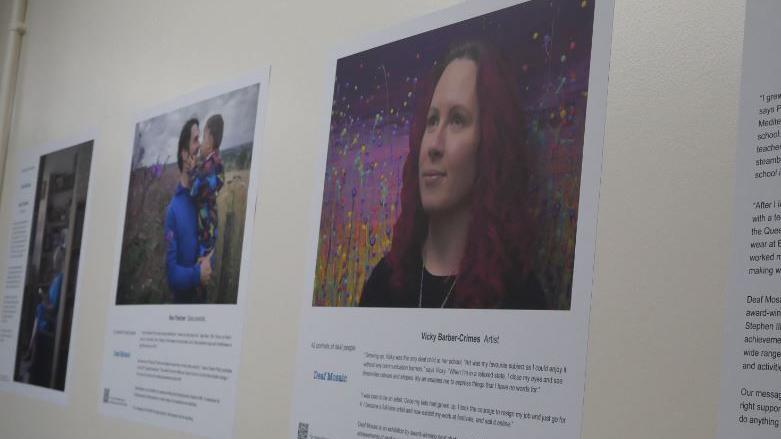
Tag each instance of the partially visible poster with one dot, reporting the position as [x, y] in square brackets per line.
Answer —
[38, 308]
[174, 330]
[452, 268]
[751, 371]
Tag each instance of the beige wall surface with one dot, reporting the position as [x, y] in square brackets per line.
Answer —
[663, 225]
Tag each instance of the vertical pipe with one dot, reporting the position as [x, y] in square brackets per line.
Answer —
[17, 28]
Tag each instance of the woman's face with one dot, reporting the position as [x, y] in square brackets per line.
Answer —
[447, 164]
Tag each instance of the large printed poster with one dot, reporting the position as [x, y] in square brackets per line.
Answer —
[453, 260]
[38, 310]
[174, 333]
[751, 371]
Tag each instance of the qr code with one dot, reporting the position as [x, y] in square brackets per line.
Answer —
[303, 430]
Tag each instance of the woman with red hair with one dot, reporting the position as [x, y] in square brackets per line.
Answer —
[465, 234]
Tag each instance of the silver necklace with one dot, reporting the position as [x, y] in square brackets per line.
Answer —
[420, 294]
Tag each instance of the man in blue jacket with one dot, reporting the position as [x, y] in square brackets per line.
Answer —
[184, 270]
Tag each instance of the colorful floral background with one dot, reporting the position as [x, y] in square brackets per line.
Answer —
[548, 43]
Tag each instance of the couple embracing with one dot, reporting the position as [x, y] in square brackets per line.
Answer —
[191, 216]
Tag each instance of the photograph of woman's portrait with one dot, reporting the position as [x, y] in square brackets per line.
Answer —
[454, 163]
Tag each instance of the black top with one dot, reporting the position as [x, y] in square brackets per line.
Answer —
[524, 292]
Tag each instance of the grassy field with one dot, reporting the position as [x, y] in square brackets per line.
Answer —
[142, 277]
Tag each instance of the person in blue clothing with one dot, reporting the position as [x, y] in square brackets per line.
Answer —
[186, 272]
[40, 349]
[207, 178]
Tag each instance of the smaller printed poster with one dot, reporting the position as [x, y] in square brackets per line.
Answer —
[750, 405]
[451, 272]
[39, 305]
[174, 329]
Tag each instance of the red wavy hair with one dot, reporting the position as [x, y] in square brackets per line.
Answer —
[501, 232]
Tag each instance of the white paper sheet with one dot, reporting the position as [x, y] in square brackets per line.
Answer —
[39, 307]
[385, 371]
[751, 373]
[169, 363]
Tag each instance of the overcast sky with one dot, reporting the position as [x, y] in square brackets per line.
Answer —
[157, 138]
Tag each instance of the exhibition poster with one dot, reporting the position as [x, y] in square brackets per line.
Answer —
[174, 327]
[451, 267]
[750, 404]
[39, 305]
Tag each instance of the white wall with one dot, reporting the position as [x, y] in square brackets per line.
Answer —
[664, 219]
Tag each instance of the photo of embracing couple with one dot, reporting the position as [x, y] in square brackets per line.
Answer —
[191, 221]
[187, 200]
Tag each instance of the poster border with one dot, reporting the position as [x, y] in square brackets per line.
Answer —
[259, 76]
[731, 342]
[589, 191]
[59, 397]
[593, 137]
[262, 76]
